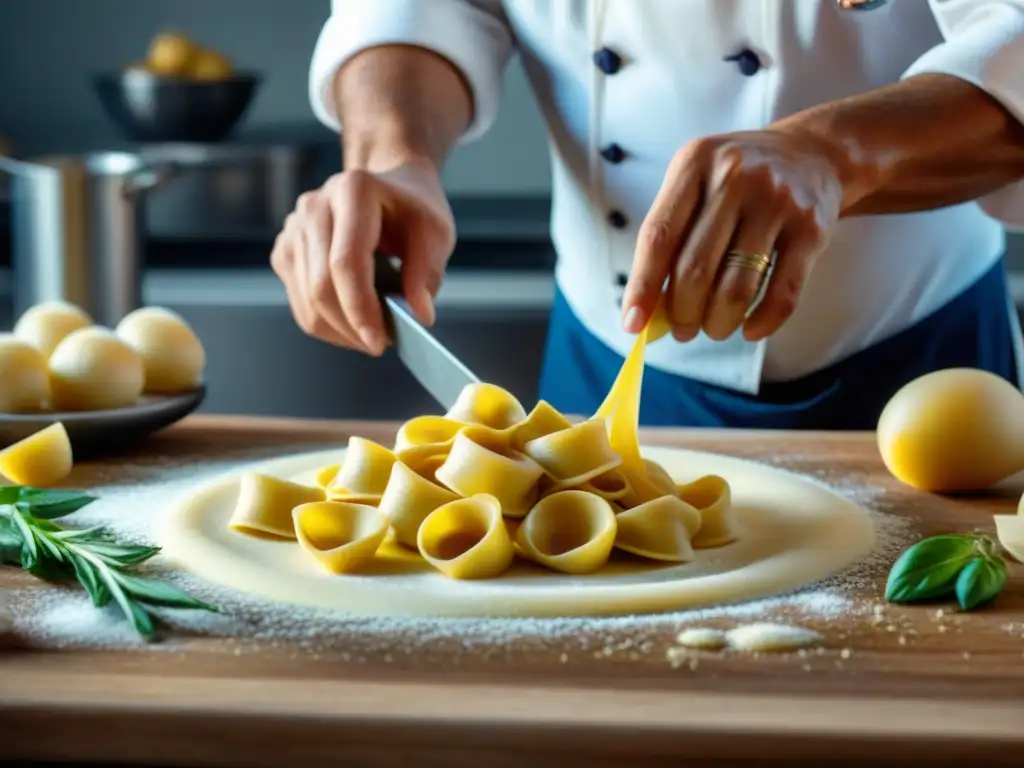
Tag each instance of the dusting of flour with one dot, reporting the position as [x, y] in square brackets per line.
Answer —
[133, 507]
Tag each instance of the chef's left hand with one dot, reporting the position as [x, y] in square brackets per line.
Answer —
[770, 191]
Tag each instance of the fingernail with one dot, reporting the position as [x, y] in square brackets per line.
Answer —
[634, 320]
[427, 307]
[682, 334]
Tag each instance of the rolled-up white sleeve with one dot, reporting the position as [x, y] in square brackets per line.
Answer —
[472, 34]
[984, 45]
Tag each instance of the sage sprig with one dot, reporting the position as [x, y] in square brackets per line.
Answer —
[30, 539]
[968, 567]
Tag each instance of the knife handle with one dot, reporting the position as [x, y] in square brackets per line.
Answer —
[387, 278]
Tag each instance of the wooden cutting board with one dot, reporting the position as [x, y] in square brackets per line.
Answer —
[918, 684]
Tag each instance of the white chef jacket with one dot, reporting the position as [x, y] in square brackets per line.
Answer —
[624, 83]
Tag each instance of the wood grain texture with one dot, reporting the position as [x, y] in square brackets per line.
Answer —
[909, 687]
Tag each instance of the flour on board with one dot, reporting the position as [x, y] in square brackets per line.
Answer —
[133, 498]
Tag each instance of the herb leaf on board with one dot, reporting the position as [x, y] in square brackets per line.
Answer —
[981, 580]
[929, 569]
[30, 539]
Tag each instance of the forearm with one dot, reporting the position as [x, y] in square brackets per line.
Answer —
[398, 103]
[926, 142]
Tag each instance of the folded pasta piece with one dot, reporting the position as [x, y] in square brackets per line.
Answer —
[574, 455]
[407, 501]
[570, 531]
[325, 476]
[467, 539]
[343, 537]
[661, 479]
[423, 431]
[659, 530]
[610, 486]
[265, 504]
[364, 473]
[711, 496]
[481, 461]
[541, 421]
[487, 405]
[424, 462]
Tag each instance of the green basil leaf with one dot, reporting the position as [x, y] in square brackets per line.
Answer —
[929, 569]
[49, 505]
[159, 593]
[981, 580]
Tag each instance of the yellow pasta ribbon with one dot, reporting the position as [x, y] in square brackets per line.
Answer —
[265, 505]
[570, 531]
[467, 539]
[621, 412]
[341, 536]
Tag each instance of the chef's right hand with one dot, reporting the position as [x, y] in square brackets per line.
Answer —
[324, 255]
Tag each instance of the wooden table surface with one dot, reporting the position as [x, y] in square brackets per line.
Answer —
[935, 688]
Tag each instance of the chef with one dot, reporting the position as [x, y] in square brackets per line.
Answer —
[819, 188]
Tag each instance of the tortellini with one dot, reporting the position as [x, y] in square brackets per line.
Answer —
[570, 531]
[467, 539]
[342, 536]
[407, 501]
[265, 504]
[486, 482]
[711, 496]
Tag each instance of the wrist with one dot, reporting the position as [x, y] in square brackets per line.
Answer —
[385, 148]
[821, 131]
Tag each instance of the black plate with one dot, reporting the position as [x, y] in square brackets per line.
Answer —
[95, 433]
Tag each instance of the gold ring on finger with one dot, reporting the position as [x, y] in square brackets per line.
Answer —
[759, 262]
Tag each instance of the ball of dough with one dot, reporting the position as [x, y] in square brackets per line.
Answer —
[45, 325]
[24, 378]
[172, 354]
[171, 54]
[210, 66]
[92, 369]
[955, 430]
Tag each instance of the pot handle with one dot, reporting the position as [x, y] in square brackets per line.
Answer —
[149, 178]
[20, 168]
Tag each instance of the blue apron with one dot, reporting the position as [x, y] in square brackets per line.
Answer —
[973, 330]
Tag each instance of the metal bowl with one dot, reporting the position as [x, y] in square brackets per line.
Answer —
[150, 108]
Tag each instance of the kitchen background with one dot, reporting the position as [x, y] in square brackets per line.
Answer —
[209, 232]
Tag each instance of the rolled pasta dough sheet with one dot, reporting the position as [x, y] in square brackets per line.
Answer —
[794, 532]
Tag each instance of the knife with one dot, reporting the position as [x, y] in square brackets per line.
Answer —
[440, 372]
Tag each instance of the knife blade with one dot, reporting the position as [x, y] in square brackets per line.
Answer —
[429, 361]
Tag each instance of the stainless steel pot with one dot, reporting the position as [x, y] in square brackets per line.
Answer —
[77, 230]
[80, 222]
[232, 192]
